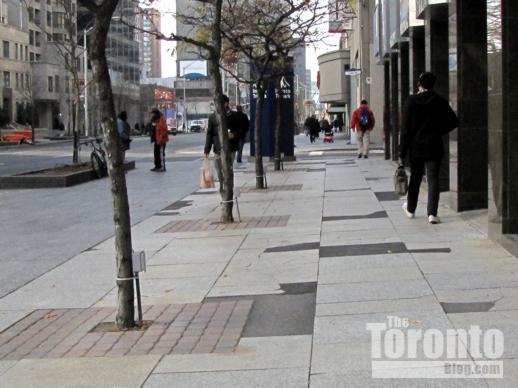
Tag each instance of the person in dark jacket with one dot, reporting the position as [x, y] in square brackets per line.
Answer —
[244, 126]
[427, 118]
[212, 142]
[212, 138]
[313, 127]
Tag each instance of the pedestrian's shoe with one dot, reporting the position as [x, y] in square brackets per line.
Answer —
[155, 169]
[359, 156]
[366, 156]
[434, 220]
[408, 214]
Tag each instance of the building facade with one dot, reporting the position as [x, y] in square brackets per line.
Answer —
[151, 50]
[35, 47]
[470, 46]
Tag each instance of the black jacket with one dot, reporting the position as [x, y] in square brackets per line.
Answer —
[212, 137]
[426, 118]
[243, 123]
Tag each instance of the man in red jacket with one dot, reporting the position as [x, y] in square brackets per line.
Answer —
[363, 122]
[160, 138]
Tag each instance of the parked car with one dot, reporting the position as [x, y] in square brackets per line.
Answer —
[196, 126]
[171, 130]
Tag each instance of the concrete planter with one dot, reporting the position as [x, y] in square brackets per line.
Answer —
[53, 178]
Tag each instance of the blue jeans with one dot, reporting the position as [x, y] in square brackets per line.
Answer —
[417, 169]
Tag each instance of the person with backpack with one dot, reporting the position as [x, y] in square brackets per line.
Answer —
[123, 129]
[363, 122]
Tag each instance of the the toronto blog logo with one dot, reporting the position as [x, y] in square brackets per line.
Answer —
[401, 348]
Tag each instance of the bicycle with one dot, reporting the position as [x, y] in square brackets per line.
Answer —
[98, 158]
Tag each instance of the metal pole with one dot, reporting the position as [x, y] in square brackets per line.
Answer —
[87, 121]
[139, 301]
[184, 101]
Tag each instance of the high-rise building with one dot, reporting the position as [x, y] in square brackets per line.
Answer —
[151, 46]
[35, 40]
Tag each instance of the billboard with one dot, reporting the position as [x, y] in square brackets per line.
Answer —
[341, 15]
[193, 69]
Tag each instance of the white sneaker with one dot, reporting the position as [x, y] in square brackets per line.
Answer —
[408, 214]
[434, 220]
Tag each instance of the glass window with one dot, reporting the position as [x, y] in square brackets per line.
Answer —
[56, 84]
[17, 77]
[6, 48]
[27, 80]
[37, 38]
[26, 53]
[32, 57]
[31, 37]
[49, 19]
[50, 83]
[7, 79]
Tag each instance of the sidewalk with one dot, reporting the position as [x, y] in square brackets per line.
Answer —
[280, 299]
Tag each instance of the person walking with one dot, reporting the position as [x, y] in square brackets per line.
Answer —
[212, 139]
[244, 126]
[160, 137]
[123, 129]
[212, 142]
[313, 127]
[426, 118]
[362, 122]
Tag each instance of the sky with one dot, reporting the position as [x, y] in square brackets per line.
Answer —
[167, 7]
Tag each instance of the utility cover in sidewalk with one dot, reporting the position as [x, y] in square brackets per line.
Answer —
[362, 249]
[291, 313]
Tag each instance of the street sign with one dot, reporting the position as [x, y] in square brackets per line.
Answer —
[139, 261]
[352, 72]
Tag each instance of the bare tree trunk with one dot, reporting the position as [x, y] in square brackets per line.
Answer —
[277, 131]
[259, 171]
[227, 194]
[121, 216]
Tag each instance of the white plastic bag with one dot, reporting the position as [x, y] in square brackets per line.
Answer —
[206, 177]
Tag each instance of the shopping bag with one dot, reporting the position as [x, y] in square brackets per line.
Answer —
[206, 177]
[400, 181]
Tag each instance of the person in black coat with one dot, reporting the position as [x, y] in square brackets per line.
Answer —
[244, 126]
[427, 117]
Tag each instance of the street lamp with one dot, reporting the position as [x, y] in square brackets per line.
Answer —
[184, 97]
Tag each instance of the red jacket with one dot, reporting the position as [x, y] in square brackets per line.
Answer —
[161, 136]
[356, 118]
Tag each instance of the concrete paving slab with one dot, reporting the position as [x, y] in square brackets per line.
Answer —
[9, 317]
[472, 280]
[5, 366]
[80, 372]
[330, 264]
[346, 275]
[361, 379]
[354, 292]
[424, 303]
[79, 282]
[352, 328]
[251, 353]
[271, 378]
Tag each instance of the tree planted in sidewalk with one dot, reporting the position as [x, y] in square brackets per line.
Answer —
[265, 32]
[205, 19]
[102, 11]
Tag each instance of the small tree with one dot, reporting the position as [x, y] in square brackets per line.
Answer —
[103, 11]
[263, 31]
[206, 19]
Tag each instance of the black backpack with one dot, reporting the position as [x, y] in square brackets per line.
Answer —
[365, 119]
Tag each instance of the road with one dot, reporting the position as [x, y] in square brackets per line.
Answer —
[43, 228]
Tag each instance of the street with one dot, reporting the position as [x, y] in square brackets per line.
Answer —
[43, 228]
